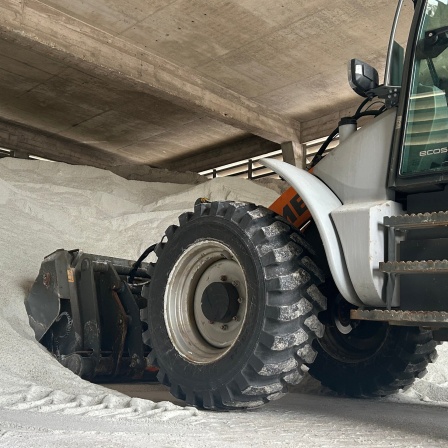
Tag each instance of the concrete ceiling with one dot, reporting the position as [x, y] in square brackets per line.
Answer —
[132, 81]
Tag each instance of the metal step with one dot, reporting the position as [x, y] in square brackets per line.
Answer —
[436, 318]
[415, 267]
[417, 221]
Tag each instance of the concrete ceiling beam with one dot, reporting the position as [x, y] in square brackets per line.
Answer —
[223, 155]
[66, 38]
[30, 141]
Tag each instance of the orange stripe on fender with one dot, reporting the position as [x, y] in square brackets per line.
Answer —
[292, 208]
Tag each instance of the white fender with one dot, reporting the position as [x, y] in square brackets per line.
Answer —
[320, 201]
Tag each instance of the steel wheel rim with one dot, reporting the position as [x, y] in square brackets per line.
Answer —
[192, 334]
[352, 342]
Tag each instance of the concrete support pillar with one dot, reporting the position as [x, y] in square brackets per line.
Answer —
[21, 154]
[293, 153]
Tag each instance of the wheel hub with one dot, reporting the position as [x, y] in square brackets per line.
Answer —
[219, 302]
[348, 340]
[205, 301]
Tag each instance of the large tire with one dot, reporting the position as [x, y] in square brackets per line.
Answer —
[369, 359]
[362, 358]
[251, 355]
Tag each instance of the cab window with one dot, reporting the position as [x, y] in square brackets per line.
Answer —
[426, 133]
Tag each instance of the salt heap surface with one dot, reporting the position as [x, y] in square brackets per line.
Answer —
[46, 206]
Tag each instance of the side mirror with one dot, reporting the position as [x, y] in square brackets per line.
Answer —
[362, 77]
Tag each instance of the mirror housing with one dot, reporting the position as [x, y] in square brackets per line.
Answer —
[362, 77]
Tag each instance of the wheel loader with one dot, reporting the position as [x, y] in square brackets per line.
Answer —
[345, 276]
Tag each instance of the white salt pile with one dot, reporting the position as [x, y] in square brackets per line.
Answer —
[46, 206]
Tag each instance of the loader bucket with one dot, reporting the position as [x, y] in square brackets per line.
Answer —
[84, 311]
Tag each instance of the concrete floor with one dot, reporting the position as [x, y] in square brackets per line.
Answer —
[310, 420]
[149, 391]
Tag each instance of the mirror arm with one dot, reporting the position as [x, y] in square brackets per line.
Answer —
[433, 44]
[390, 94]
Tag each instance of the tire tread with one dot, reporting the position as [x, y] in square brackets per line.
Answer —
[293, 301]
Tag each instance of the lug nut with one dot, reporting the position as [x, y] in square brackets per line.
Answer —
[223, 278]
[240, 300]
[224, 327]
[235, 283]
[211, 322]
[236, 318]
